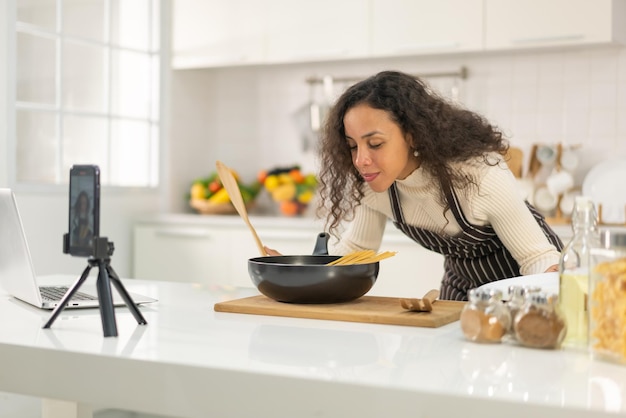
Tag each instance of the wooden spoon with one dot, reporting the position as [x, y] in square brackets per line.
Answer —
[230, 184]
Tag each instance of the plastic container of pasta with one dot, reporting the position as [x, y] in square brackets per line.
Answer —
[607, 298]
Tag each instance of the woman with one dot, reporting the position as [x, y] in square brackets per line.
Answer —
[392, 149]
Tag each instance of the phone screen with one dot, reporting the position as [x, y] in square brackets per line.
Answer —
[84, 209]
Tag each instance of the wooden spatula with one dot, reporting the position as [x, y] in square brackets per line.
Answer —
[230, 184]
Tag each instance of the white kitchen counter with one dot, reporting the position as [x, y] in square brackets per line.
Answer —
[190, 361]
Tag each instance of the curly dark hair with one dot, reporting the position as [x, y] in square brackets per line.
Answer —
[440, 131]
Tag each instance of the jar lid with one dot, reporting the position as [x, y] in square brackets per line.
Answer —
[479, 294]
[542, 298]
[611, 238]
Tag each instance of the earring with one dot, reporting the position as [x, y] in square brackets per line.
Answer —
[415, 153]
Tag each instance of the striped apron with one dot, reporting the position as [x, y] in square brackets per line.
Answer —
[472, 258]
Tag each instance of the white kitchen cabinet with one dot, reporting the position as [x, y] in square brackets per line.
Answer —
[316, 30]
[513, 24]
[212, 249]
[215, 33]
[413, 27]
[182, 253]
[211, 33]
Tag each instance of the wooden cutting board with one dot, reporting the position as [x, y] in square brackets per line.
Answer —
[369, 309]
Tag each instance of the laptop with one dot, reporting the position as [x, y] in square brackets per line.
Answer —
[17, 274]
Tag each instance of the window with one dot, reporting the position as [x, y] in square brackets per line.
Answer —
[87, 90]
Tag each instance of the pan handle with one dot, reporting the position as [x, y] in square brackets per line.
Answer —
[321, 244]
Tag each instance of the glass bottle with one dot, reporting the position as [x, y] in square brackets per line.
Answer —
[574, 269]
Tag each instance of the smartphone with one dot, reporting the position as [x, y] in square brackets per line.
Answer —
[84, 209]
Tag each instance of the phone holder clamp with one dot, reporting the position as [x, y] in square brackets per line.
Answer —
[101, 258]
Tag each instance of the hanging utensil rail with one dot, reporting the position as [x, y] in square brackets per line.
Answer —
[462, 74]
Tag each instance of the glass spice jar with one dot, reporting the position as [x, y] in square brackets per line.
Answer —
[540, 323]
[515, 301]
[607, 301]
[485, 319]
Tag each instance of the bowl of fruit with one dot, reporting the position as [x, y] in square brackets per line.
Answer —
[208, 196]
[290, 188]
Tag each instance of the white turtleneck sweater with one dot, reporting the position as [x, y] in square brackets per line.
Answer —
[497, 202]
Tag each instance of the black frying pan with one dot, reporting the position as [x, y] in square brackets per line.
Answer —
[307, 278]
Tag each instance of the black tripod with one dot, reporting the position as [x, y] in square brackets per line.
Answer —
[102, 252]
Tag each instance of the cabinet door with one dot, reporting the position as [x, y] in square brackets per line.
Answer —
[316, 30]
[412, 272]
[207, 33]
[406, 27]
[181, 254]
[511, 24]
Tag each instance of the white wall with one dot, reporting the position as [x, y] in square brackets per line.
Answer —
[246, 116]
[3, 95]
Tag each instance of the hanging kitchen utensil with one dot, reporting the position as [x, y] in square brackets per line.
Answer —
[230, 184]
[315, 117]
[454, 90]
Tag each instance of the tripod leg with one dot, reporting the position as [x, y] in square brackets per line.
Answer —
[125, 296]
[107, 313]
[59, 308]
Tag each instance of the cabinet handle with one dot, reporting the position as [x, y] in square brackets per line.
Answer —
[545, 39]
[184, 61]
[427, 46]
[319, 54]
[182, 233]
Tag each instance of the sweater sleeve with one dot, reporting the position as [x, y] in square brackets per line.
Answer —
[364, 232]
[499, 203]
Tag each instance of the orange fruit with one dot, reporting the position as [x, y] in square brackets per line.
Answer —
[214, 186]
[289, 208]
[297, 176]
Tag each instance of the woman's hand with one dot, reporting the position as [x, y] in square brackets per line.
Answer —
[270, 251]
[552, 268]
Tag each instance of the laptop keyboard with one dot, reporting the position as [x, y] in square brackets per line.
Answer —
[54, 293]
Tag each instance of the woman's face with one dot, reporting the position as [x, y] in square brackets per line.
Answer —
[379, 149]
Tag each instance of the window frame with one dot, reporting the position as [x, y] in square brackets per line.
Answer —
[160, 90]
